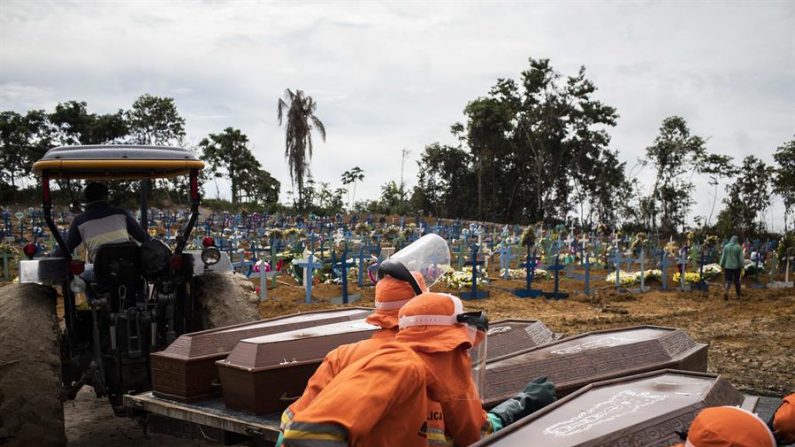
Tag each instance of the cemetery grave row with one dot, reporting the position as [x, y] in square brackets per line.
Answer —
[339, 249]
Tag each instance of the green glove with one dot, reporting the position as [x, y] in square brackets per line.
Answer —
[538, 394]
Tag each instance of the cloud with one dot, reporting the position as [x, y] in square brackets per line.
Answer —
[389, 76]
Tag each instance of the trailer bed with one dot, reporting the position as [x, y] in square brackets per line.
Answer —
[213, 413]
[210, 412]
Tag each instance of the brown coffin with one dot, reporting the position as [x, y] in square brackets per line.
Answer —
[641, 410]
[574, 362]
[261, 373]
[511, 336]
[185, 371]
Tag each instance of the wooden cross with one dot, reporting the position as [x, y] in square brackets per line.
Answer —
[309, 267]
[641, 260]
[665, 262]
[505, 261]
[530, 268]
[475, 293]
[682, 262]
[556, 267]
[360, 279]
[617, 259]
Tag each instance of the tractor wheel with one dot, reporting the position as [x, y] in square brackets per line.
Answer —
[31, 409]
[226, 299]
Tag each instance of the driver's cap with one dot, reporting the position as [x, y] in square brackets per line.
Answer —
[728, 426]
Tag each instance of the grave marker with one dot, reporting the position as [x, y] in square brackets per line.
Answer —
[556, 267]
[505, 261]
[530, 267]
[475, 294]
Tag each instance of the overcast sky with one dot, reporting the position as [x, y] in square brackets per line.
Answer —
[394, 75]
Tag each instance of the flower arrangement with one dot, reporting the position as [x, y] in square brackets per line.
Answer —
[462, 279]
[362, 229]
[629, 278]
[528, 237]
[671, 248]
[275, 233]
[522, 273]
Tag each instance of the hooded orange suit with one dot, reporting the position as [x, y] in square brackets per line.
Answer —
[728, 427]
[383, 398]
[784, 421]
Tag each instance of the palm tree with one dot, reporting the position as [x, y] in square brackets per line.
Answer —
[352, 176]
[301, 121]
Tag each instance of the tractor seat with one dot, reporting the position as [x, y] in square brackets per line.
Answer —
[117, 263]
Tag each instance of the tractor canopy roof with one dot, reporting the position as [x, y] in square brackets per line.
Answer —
[125, 162]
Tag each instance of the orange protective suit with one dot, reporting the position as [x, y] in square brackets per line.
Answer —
[728, 427]
[390, 295]
[784, 421]
[383, 399]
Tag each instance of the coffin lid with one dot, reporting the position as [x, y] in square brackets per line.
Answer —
[303, 345]
[199, 345]
[578, 360]
[512, 335]
[642, 409]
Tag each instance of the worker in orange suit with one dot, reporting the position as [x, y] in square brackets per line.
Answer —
[783, 422]
[728, 427]
[430, 256]
[390, 295]
[382, 399]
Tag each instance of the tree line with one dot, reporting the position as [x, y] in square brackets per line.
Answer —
[538, 149]
[534, 149]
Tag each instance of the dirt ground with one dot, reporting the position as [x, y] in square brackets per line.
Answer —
[752, 340]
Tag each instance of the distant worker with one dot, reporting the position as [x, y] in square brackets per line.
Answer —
[382, 399]
[783, 422]
[728, 427]
[731, 260]
[100, 224]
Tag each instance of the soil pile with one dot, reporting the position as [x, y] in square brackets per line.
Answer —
[31, 411]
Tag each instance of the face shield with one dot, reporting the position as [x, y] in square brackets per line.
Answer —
[429, 256]
[477, 324]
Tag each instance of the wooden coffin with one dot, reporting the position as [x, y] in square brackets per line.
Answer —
[185, 370]
[263, 374]
[640, 410]
[511, 336]
[574, 362]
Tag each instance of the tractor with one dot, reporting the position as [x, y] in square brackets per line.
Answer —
[139, 299]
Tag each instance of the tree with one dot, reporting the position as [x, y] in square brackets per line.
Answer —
[257, 185]
[529, 150]
[299, 111]
[23, 140]
[446, 184]
[748, 198]
[784, 180]
[674, 152]
[74, 125]
[352, 176]
[228, 156]
[155, 120]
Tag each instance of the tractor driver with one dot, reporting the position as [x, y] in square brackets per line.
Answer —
[100, 224]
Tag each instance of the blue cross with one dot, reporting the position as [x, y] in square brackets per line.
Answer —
[475, 293]
[556, 267]
[505, 260]
[530, 267]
